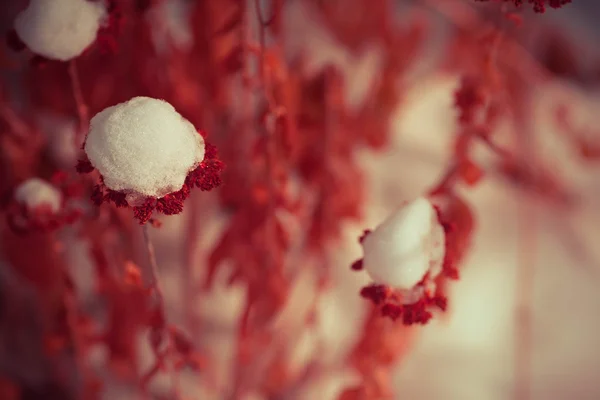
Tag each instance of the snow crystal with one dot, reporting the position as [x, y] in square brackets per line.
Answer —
[60, 29]
[35, 193]
[407, 245]
[143, 147]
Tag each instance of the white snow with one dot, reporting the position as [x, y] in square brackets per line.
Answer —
[35, 192]
[60, 29]
[408, 244]
[143, 147]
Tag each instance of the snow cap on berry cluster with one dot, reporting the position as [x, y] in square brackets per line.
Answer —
[60, 29]
[35, 193]
[143, 148]
[406, 246]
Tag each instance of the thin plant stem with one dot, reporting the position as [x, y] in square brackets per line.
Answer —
[154, 280]
[156, 286]
[188, 294]
[82, 108]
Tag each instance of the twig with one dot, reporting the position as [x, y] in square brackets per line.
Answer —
[275, 111]
[82, 108]
[156, 286]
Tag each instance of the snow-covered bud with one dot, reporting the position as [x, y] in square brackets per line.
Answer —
[406, 246]
[60, 29]
[35, 193]
[149, 157]
[143, 148]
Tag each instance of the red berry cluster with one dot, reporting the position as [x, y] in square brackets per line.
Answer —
[206, 176]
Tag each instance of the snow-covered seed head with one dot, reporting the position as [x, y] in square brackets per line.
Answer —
[406, 246]
[35, 193]
[143, 148]
[60, 29]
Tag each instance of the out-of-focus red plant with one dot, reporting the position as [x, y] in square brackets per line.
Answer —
[289, 141]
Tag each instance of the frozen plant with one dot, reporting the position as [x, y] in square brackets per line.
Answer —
[35, 193]
[143, 147]
[144, 150]
[409, 256]
[60, 29]
[407, 245]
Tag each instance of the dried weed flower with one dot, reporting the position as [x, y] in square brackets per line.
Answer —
[148, 156]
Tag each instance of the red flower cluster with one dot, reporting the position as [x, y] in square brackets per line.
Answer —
[415, 313]
[206, 176]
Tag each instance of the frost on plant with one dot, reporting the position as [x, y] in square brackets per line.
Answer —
[60, 29]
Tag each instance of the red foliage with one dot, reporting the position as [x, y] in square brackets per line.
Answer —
[292, 182]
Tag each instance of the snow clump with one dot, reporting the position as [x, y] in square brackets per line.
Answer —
[407, 245]
[144, 148]
[35, 193]
[60, 29]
